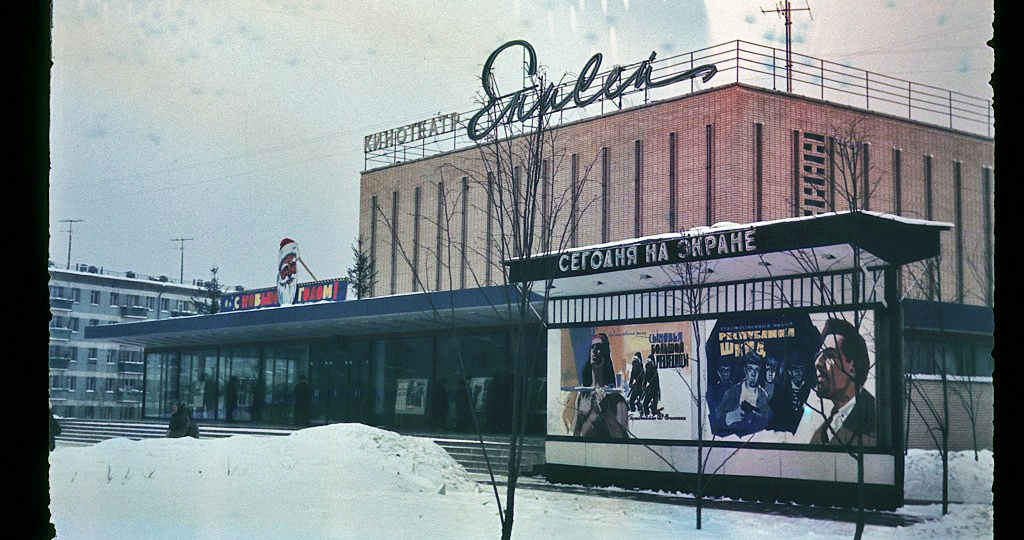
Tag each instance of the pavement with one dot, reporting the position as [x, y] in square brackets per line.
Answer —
[871, 517]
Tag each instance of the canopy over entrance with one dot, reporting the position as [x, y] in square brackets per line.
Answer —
[729, 252]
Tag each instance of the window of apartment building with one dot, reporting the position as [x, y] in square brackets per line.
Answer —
[112, 356]
[73, 324]
[93, 355]
[73, 354]
[115, 299]
[108, 385]
[90, 384]
[132, 300]
[76, 295]
[150, 302]
[165, 304]
[94, 322]
[94, 298]
[56, 291]
[71, 383]
[55, 381]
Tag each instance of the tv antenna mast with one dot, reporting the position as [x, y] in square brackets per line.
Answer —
[71, 223]
[181, 276]
[785, 11]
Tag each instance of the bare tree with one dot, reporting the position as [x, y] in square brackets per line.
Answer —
[528, 214]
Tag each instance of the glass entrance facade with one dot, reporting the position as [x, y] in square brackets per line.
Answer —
[414, 382]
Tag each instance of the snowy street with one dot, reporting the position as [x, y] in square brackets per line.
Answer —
[350, 481]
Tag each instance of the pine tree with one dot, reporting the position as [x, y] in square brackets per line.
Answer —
[209, 302]
[362, 276]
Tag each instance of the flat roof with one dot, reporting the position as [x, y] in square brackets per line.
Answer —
[465, 308]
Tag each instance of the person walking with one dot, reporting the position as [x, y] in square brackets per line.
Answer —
[302, 399]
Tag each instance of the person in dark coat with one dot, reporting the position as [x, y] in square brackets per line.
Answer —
[438, 404]
[181, 424]
[463, 414]
[302, 399]
[636, 382]
[652, 388]
[54, 431]
[231, 397]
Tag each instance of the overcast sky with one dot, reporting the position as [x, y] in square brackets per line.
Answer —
[238, 123]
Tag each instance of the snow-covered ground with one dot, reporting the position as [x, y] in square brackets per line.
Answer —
[350, 481]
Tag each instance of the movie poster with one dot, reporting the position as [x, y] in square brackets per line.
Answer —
[621, 382]
[478, 387]
[410, 396]
[792, 378]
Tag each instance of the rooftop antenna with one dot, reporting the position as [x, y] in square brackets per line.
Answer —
[181, 276]
[71, 223]
[784, 10]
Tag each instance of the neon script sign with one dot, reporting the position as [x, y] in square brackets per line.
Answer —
[513, 107]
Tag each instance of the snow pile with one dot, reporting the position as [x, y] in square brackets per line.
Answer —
[350, 481]
[334, 475]
[970, 481]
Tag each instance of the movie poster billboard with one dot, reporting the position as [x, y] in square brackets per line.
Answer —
[791, 378]
[478, 387]
[410, 396]
[770, 378]
[620, 382]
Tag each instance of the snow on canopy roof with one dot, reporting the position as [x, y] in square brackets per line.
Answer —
[724, 226]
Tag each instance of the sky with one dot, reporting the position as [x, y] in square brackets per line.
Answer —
[237, 124]
[350, 481]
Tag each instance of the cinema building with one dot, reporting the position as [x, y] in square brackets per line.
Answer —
[716, 225]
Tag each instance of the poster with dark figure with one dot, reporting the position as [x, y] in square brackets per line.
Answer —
[636, 382]
[652, 388]
[758, 373]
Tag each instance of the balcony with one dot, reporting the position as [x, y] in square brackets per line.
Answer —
[183, 313]
[59, 362]
[128, 395]
[134, 312]
[129, 368]
[60, 334]
[60, 394]
[61, 304]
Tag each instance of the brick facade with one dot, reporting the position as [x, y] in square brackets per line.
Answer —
[720, 181]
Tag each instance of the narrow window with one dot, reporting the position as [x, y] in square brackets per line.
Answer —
[462, 239]
[638, 222]
[958, 230]
[758, 172]
[574, 179]
[489, 247]
[394, 242]
[373, 239]
[605, 189]
[417, 209]
[672, 181]
[897, 182]
[986, 186]
[709, 136]
[440, 234]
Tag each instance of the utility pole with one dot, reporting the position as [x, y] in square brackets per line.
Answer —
[785, 11]
[181, 276]
[71, 223]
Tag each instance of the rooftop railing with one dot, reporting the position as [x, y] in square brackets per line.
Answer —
[755, 65]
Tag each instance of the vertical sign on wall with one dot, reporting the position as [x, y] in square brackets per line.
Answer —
[287, 272]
